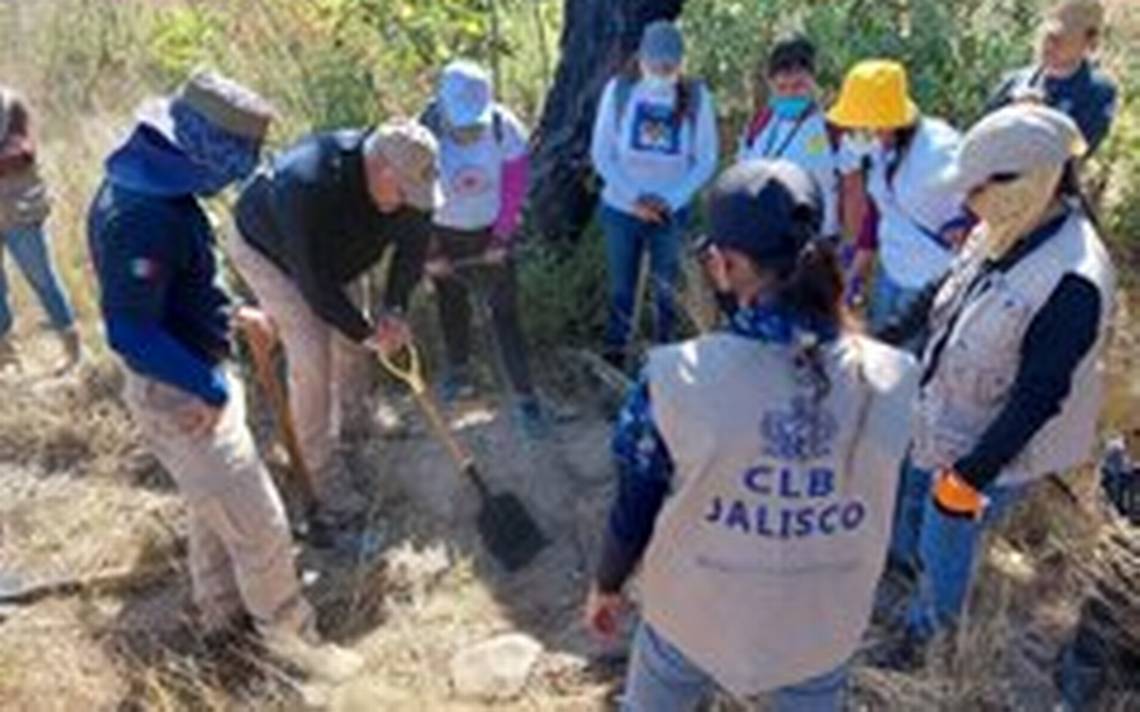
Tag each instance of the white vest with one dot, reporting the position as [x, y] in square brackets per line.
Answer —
[979, 362]
[764, 561]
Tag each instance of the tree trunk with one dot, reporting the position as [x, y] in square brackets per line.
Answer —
[598, 38]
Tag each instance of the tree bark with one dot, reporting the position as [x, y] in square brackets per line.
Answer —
[598, 38]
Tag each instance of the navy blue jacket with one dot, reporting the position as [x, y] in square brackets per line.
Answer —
[1088, 97]
[313, 216]
[152, 249]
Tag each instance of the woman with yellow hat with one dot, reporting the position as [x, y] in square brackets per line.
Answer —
[900, 150]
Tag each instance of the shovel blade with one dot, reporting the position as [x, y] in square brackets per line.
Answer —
[509, 532]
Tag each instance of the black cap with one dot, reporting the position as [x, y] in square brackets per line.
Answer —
[792, 52]
[767, 209]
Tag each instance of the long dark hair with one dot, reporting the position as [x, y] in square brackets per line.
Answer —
[684, 98]
[813, 288]
[1070, 189]
[904, 138]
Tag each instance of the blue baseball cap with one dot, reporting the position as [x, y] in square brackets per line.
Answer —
[465, 94]
[767, 209]
[662, 43]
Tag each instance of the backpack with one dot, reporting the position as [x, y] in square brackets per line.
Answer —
[432, 119]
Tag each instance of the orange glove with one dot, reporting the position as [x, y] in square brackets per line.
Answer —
[956, 497]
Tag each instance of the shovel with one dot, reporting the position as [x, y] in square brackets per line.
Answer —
[508, 531]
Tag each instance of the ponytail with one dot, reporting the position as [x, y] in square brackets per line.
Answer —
[813, 286]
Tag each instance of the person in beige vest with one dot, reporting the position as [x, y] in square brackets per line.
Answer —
[1012, 386]
[24, 208]
[171, 324]
[757, 471]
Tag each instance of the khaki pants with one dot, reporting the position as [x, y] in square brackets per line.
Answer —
[327, 373]
[240, 545]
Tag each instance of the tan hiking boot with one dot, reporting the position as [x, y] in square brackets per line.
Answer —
[72, 349]
[316, 660]
[9, 359]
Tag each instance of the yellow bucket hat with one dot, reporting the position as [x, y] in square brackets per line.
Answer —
[875, 95]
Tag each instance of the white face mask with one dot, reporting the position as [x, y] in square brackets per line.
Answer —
[862, 143]
[656, 81]
[1009, 211]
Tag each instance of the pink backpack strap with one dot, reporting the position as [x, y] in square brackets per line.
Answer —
[756, 127]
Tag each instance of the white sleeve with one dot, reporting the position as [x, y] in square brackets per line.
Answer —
[515, 135]
[706, 153]
[604, 147]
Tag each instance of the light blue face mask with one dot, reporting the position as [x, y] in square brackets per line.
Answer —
[789, 107]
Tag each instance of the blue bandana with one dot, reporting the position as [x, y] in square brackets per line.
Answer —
[776, 324]
[221, 157]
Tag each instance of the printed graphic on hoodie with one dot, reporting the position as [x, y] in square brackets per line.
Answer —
[655, 131]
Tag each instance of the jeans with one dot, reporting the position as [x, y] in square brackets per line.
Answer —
[888, 301]
[661, 679]
[498, 285]
[942, 549]
[627, 238]
[28, 247]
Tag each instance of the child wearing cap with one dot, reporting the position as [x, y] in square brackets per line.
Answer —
[24, 208]
[1012, 385]
[328, 210]
[900, 151]
[1065, 76]
[753, 468]
[791, 125]
[654, 145]
[170, 323]
[485, 170]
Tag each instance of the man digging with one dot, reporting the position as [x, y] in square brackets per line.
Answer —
[171, 324]
[322, 215]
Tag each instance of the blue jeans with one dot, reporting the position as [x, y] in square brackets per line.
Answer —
[888, 301]
[942, 548]
[28, 247]
[627, 238]
[661, 679]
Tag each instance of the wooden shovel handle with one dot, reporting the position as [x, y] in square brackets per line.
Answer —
[411, 373]
[283, 418]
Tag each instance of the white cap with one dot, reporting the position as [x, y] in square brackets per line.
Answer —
[465, 94]
[1014, 140]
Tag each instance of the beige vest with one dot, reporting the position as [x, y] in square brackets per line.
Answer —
[23, 197]
[980, 360]
[763, 562]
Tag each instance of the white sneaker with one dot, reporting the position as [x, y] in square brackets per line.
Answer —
[316, 660]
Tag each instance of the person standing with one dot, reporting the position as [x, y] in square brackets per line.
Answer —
[24, 209]
[326, 211]
[654, 145]
[1012, 384]
[755, 470]
[792, 126]
[170, 324]
[485, 171]
[1065, 76]
[918, 221]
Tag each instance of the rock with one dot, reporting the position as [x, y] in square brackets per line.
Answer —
[495, 669]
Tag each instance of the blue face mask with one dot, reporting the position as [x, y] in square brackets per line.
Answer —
[789, 107]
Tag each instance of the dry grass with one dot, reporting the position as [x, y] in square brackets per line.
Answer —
[78, 495]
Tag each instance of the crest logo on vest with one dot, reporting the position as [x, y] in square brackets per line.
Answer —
[803, 433]
[787, 499]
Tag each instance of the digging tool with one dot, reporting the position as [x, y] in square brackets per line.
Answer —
[17, 590]
[508, 531]
[270, 383]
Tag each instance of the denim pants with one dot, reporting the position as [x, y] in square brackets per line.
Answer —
[498, 286]
[28, 247]
[627, 238]
[888, 301]
[662, 679]
[941, 548]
